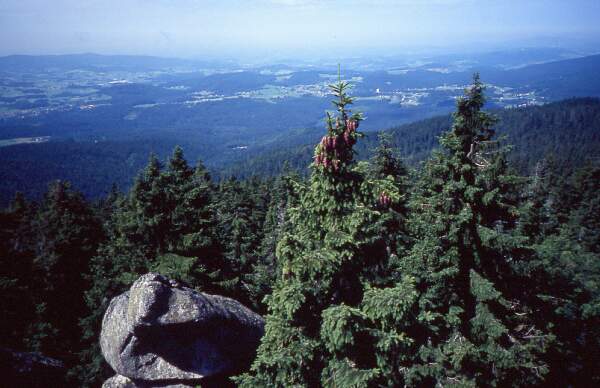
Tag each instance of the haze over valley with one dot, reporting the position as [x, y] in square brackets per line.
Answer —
[225, 112]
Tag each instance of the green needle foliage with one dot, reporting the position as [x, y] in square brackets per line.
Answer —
[259, 281]
[459, 274]
[560, 222]
[444, 314]
[391, 176]
[68, 234]
[17, 243]
[474, 329]
[324, 258]
[166, 223]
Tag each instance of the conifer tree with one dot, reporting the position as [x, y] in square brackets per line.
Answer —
[260, 280]
[166, 223]
[584, 220]
[564, 272]
[563, 276]
[391, 176]
[450, 317]
[241, 210]
[67, 234]
[538, 216]
[191, 250]
[323, 259]
[474, 329]
[105, 207]
[17, 305]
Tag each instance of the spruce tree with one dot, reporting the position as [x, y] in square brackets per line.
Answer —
[538, 214]
[191, 251]
[450, 318]
[564, 272]
[68, 234]
[474, 329]
[166, 223]
[391, 178]
[17, 252]
[259, 282]
[584, 220]
[564, 278]
[241, 209]
[324, 260]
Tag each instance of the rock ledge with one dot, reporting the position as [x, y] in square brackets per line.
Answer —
[160, 332]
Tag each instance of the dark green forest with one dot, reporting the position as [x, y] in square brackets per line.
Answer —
[479, 266]
[568, 130]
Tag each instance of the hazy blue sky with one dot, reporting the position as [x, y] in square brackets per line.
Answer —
[193, 28]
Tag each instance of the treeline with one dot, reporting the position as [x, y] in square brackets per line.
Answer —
[569, 130]
[369, 273]
[63, 259]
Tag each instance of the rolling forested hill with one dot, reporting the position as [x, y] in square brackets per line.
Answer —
[94, 120]
[568, 131]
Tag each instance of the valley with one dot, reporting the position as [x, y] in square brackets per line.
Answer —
[116, 110]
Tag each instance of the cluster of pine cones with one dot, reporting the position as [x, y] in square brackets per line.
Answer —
[336, 149]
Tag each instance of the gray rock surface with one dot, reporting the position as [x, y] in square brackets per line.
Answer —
[162, 331]
[119, 381]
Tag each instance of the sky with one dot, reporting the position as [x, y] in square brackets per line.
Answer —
[197, 28]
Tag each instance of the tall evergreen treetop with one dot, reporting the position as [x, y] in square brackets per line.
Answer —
[68, 234]
[475, 332]
[17, 245]
[323, 259]
[166, 223]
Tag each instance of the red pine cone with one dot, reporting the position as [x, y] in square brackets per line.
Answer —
[319, 159]
[384, 199]
[351, 125]
[332, 143]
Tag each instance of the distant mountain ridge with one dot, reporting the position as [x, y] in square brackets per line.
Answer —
[558, 78]
[500, 58]
[15, 63]
[101, 127]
